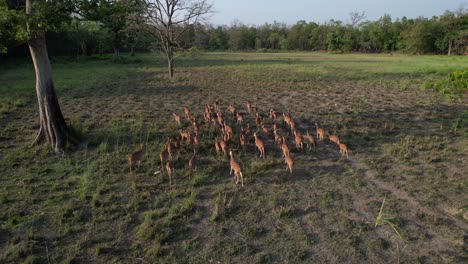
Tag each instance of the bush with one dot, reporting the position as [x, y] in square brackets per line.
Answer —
[454, 85]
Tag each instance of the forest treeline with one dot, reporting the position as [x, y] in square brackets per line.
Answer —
[444, 34]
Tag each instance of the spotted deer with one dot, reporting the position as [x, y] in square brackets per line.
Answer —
[237, 169]
[260, 145]
[135, 158]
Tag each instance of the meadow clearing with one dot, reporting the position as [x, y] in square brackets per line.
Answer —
[408, 146]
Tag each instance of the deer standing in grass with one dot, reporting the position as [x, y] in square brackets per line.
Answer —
[185, 136]
[240, 118]
[232, 109]
[243, 142]
[320, 132]
[298, 140]
[237, 169]
[335, 139]
[249, 106]
[287, 118]
[170, 170]
[344, 150]
[136, 157]
[177, 118]
[163, 156]
[277, 137]
[192, 161]
[285, 148]
[187, 113]
[289, 164]
[310, 140]
[260, 146]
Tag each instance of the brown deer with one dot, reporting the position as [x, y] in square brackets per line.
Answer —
[243, 142]
[335, 139]
[192, 161]
[284, 147]
[217, 146]
[177, 118]
[259, 144]
[170, 170]
[163, 156]
[232, 109]
[184, 136]
[298, 140]
[310, 140]
[287, 118]
[320, 132]
[273, 114]
[249, 106]
[237, 169]
[292, 124]
[136, 157]
[289, 164]
[187, 113]
[277, 137]
[240, 118]
[223, 146]
[343, 150]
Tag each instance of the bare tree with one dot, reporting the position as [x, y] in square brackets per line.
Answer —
[171, 18]
[356, 17]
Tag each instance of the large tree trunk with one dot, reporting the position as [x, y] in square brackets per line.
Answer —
[170, 62]
[450, 47]
[116, 54]
[52, 124]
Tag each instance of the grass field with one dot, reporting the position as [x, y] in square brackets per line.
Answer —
[408, 146]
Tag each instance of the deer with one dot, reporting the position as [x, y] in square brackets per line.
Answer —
[227, 129]
[255, 108]
[192, 161]
[284, 147]
[163, 156]
[335, 139]
[136, 157]
[287, 118]
[273, 114]
[223, 146]
[277, 137]
[217, 146]
[187, 113]
[289, 164]
[292, 124]
[298, 140]
[220, 118]
[196, 140]
[177, 118]
[170, 148]
[170, 170]
[249, 106]
[343, 150]
[185, 136]
[258, 119]
[310, 140]
[265, 129]
[320, 132]
[232, 109]
[259, 144]
[243, 142]
[240, 118]
[237, 169]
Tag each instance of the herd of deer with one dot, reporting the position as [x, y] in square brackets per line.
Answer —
[215, 119]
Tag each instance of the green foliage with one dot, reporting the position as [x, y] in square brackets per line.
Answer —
[453, 86]
[381, 220]
[12, 26]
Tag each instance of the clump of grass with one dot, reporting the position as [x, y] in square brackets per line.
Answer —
[381, 220]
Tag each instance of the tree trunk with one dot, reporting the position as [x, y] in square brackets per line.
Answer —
[132, 51]
[450, 48]
[170, 62]
[116, 54]
[52, 124]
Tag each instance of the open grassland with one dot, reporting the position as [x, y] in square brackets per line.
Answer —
[407, 145]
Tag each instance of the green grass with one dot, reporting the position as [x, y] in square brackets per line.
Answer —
[87, 206]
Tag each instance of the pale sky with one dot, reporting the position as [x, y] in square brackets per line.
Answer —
[290, 11]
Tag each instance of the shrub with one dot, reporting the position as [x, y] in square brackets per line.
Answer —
[453, 86]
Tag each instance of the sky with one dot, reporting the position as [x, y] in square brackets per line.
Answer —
[258, 12]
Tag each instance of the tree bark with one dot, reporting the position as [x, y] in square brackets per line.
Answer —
[52, 124]
[170, 62]
[116, 54]
[450, 48]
